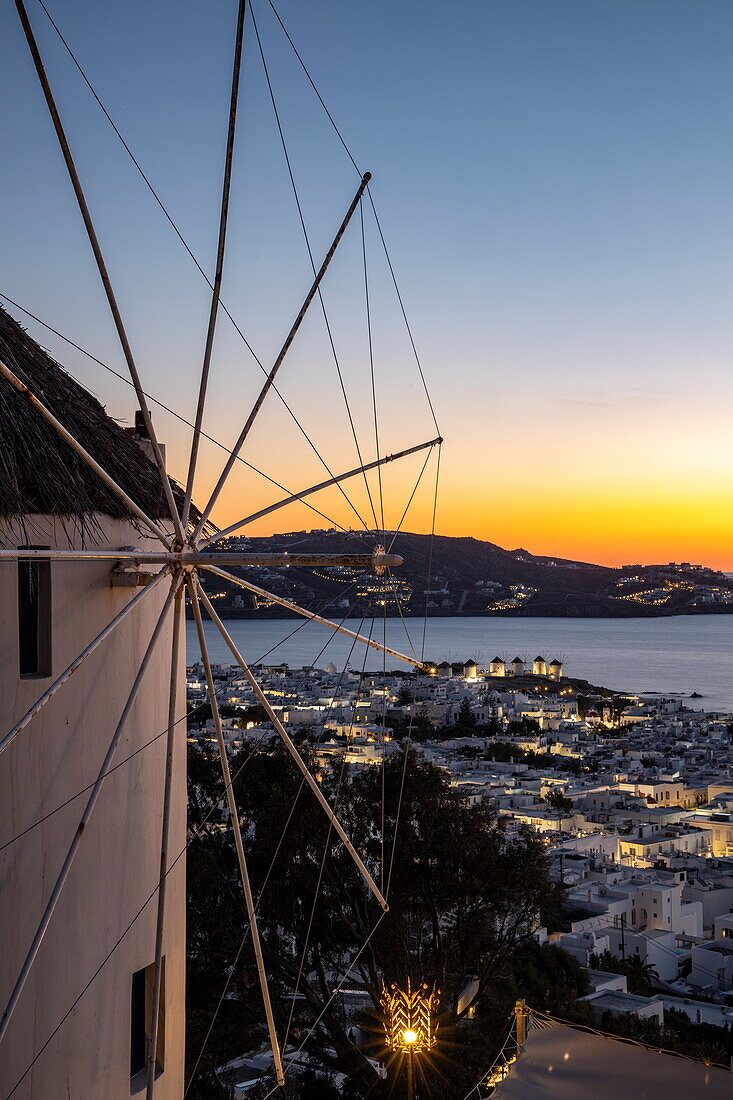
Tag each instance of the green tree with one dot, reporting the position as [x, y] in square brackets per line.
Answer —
[466, 717]
[504, 752]
[463, 896]
[640, 976]
[203, 712]
[397, 724]
[585, 703]
[254, 713]
[523, 726]
[490, 728]
[422, 727]
[559, 801]
[548, 978]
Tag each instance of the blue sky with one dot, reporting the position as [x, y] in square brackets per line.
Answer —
[555, 183]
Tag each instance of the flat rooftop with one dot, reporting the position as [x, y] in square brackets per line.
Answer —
[616, 1001]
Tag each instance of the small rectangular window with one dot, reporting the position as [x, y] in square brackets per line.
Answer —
[34, 616]
[141, 1012]
[138, 1032]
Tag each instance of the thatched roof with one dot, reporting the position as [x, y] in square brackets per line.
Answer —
[39, 472]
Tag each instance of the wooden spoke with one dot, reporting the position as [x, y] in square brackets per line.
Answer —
[218, 274]
[279, 360]
[312, 615]
[195, 590]
[152, 1051]
[99, 258]
[338, 827]
[315, 489]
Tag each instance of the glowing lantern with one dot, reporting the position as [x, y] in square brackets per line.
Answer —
[409, 1024]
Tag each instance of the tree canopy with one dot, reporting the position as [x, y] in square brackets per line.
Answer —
[464, 894]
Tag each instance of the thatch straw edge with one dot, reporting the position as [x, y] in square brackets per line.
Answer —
[40, 474]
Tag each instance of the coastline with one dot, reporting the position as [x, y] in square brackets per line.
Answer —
[260, 615]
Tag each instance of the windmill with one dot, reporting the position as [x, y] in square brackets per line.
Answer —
[100, 550]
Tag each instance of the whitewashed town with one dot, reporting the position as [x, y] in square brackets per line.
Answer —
[633, 797]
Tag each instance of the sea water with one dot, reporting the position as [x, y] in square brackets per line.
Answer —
[679, 654]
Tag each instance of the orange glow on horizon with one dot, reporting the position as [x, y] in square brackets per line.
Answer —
[647, 497]
[605, 530]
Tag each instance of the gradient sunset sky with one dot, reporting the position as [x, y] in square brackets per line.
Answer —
[555, 182]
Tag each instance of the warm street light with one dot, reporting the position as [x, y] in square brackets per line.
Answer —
[409, 1015]
[409, 1023]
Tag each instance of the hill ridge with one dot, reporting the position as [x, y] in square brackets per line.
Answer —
[473, 576]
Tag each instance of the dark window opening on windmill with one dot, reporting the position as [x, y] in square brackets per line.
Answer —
[34, 616]
[141, 1015]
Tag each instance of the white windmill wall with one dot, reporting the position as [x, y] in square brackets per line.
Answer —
[117, 864]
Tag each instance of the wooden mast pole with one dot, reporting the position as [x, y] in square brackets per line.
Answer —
[152, 1050]
[312, 615]
[195, 589]
[315, 489]
[279, 360]
[376, 560]
[220, 249]
[99, 258]
[338, 827]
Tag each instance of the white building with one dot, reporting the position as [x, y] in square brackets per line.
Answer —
[712, 961]
[49, 612]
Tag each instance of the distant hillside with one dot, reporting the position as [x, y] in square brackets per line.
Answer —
[471, 577]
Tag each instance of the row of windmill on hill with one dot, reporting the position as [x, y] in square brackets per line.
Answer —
[521, 667]
[501, 666]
